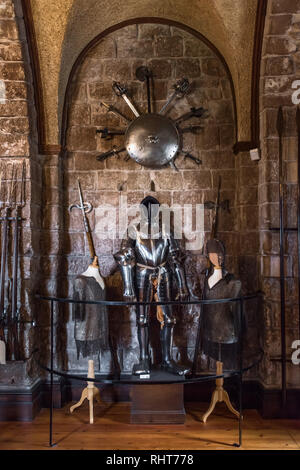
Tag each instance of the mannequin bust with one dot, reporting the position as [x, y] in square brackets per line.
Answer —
[217, 270]
[93, 271]
[221, 322]
[91, 322]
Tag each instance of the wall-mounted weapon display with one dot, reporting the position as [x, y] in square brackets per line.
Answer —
[153, 139]
[12, 192]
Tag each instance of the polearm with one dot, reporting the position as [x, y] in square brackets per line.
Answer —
[10, 315]
[4, 247]
[85, 208]
[2, 334]
[215, 206]
[15, 349]
[281, 242]
[298, 215]
[214, 228]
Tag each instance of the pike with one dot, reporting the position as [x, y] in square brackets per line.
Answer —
[215, 206]
[279, 126]
[2, 335]
[180, 90]
[214, 228]
[4, 250]
[122, 91]
[15, 349]
[85, 208]
[298, 215]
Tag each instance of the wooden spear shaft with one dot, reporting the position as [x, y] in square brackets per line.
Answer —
[281, 241]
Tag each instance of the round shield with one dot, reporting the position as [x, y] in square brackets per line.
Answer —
[152, 140]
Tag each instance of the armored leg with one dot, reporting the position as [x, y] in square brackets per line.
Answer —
[166, 333]
[166, 336]
[143, 367]
[144, 291]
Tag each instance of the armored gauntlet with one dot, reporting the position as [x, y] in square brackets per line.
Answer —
[126, 260]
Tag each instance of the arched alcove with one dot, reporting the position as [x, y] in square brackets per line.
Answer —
[64, 28]
[171, 53]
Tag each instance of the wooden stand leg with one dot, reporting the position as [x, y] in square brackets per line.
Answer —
[213, 402]
[219, 395]
[90, 392]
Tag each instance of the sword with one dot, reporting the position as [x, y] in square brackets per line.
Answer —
[110, 153]
[108, 134]
[121, 91]
[194, 112]
[181, 88]
[85, 208]
[187, 154]
[143, 73]
[115, 111]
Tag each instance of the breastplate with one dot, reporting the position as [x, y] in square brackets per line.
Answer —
[151, 252]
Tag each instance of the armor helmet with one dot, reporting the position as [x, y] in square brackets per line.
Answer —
[150, 210]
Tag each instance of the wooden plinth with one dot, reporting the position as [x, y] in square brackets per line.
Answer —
[157, 403]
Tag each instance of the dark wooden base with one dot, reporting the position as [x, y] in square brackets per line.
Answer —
[157, 404]
[20, 404]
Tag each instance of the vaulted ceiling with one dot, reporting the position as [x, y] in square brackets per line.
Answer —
[63, 28]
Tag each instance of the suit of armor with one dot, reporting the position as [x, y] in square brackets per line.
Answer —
[148, 264]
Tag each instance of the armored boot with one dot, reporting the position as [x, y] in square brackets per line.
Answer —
[143, 367]
[168, 364]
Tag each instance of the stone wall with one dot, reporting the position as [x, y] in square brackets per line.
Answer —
[18, 143]
[171, 54]
[280, 68]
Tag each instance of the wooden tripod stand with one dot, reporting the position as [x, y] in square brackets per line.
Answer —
[90, 392]
[219, 395]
